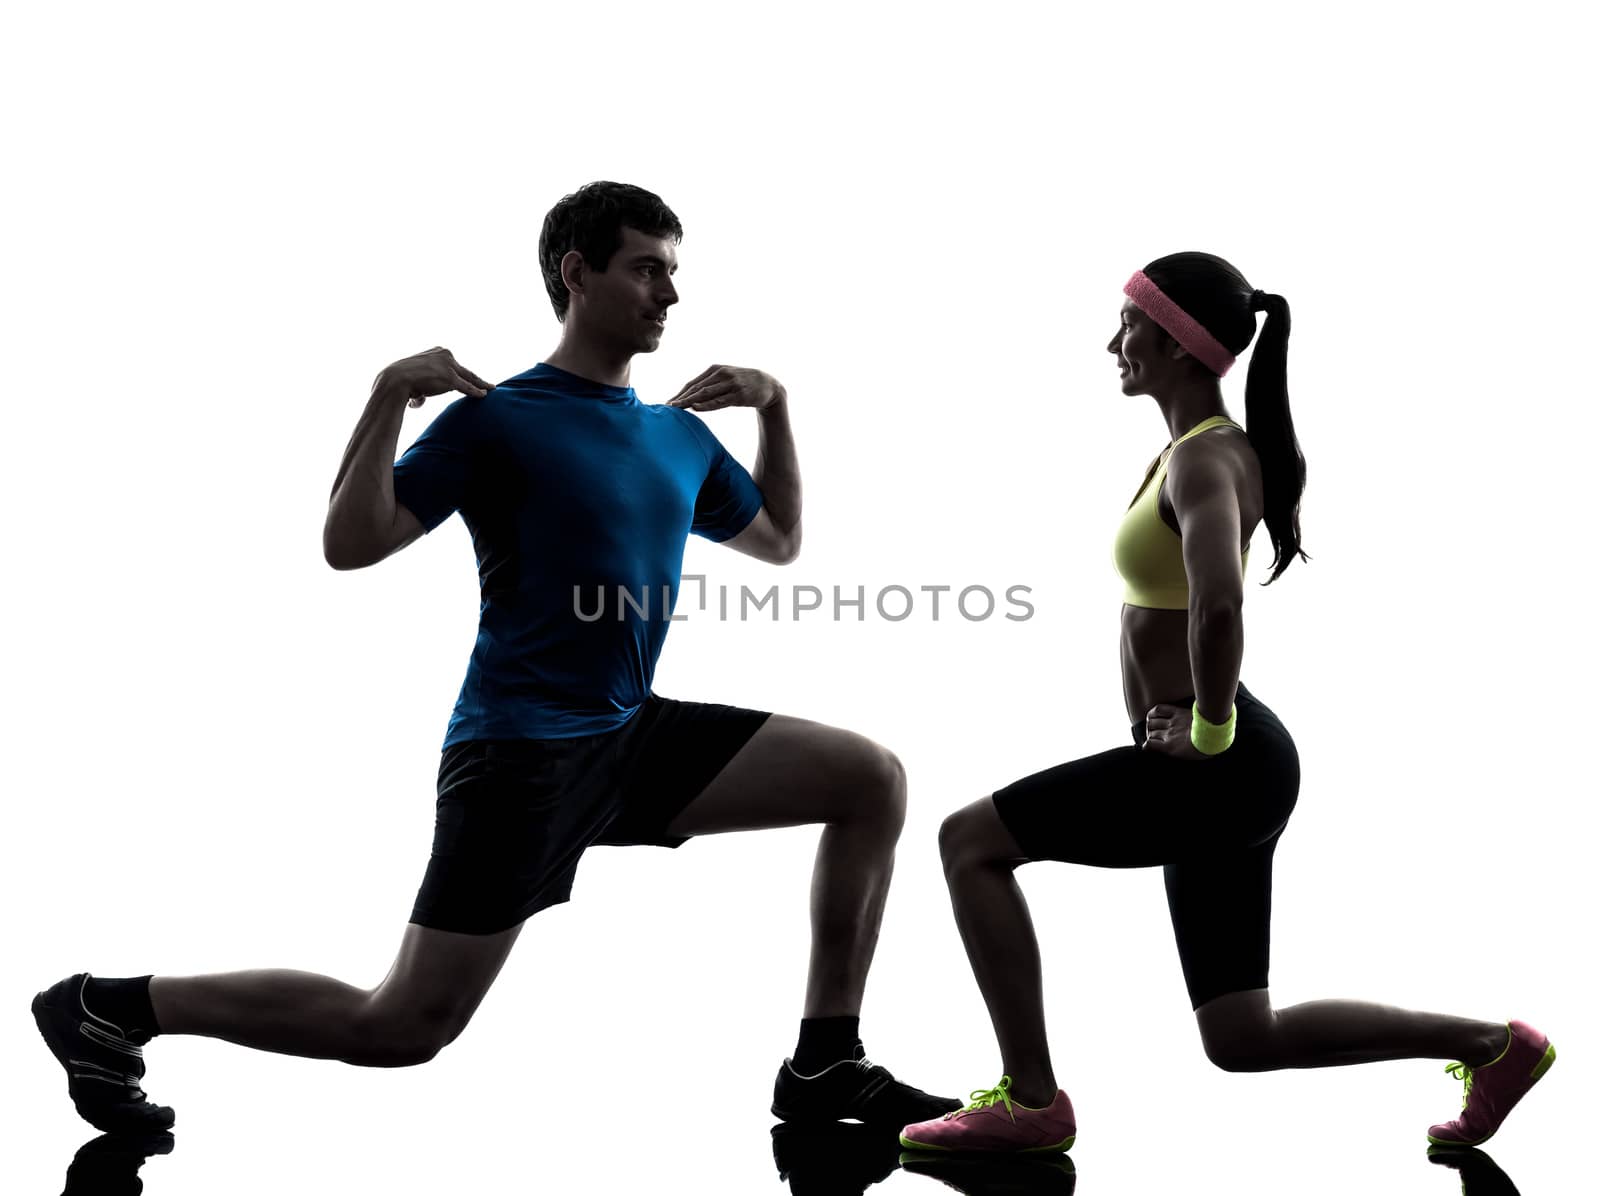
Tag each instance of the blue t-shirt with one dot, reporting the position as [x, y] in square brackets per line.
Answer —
[579, 499]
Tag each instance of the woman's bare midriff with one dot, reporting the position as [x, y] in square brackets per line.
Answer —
[1155, 659]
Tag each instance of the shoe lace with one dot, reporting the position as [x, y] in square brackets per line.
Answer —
[983, 1098]
[1463, 1073]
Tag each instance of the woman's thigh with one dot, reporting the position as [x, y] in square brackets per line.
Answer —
[1131, 808]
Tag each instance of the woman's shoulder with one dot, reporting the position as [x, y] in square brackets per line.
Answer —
[1221, 458]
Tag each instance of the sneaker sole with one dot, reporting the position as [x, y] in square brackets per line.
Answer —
[1534, 1077]
[1064, 1144]
[922, 1163]
[795, 1118]
[106, 1120]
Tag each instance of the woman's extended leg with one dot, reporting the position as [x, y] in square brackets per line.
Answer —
[1243, 1032]
[1220, 914]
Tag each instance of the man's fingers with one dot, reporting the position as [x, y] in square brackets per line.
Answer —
[467, 385]
[456, 371]
[703, 376]
[715, 390]
[714, 400]
[694, 396]
[699, 378]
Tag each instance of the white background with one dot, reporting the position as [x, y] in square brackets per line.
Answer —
[220, 753]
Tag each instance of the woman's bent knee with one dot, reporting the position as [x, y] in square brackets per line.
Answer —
[973, 837]
[1239, 1056]
[951, 837]
[1238, 1032]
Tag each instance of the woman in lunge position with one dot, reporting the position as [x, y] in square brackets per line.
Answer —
[1212, 776]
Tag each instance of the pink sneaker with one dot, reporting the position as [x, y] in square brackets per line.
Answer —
[995, 1122]
[1493, 1090]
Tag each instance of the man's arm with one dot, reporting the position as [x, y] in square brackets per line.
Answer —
[365, 524]
[774, 534]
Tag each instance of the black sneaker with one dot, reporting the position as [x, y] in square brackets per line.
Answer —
[1008, 1175]
[1480, 1175]
[856, 1088]
[833, 1159]
[104, 1064]
[109, 1165]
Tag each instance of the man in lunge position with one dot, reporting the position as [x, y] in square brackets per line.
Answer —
[576, 495]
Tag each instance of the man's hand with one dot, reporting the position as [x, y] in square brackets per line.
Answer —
[432, 373]
[1166, 730]
[729, 386]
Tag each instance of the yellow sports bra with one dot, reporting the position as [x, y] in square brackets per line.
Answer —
[1148, 553]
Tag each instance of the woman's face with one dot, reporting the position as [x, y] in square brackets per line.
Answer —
[1138, 347]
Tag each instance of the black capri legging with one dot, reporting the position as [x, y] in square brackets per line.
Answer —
[1212, 824]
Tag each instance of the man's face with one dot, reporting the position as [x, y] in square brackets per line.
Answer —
[626, 304]
[1138, 347]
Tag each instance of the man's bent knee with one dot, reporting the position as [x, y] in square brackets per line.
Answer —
[386, 1038]
[889, 789]
[871, 784]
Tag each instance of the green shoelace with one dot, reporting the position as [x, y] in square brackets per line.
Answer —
[983, 1098]
[1463, 1073]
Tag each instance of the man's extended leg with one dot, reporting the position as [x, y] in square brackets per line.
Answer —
[792, 772]
[436, 983]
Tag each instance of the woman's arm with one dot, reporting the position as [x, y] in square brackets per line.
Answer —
[1203, 483]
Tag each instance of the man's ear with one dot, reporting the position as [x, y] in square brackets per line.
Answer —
[574, 271]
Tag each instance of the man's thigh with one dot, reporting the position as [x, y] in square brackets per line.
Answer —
[440, 975]
[791, 772]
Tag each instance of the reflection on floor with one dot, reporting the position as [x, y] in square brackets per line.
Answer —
[1479, 1174]
[109, 1165]
[837, 1159]
[1015, 1175]
[841, 1159]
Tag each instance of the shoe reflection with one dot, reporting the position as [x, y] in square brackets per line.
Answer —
[996, 1175]
[1480, 1175]
[834, 1158]
[109, 1165]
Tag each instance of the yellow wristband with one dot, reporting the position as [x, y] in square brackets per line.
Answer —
[1211, 738]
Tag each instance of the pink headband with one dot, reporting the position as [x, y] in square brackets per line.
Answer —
[1187, 331]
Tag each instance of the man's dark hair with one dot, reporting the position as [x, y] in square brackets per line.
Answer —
[591, 221]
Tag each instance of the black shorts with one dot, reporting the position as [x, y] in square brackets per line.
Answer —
[514, 815]
[1212, 825]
